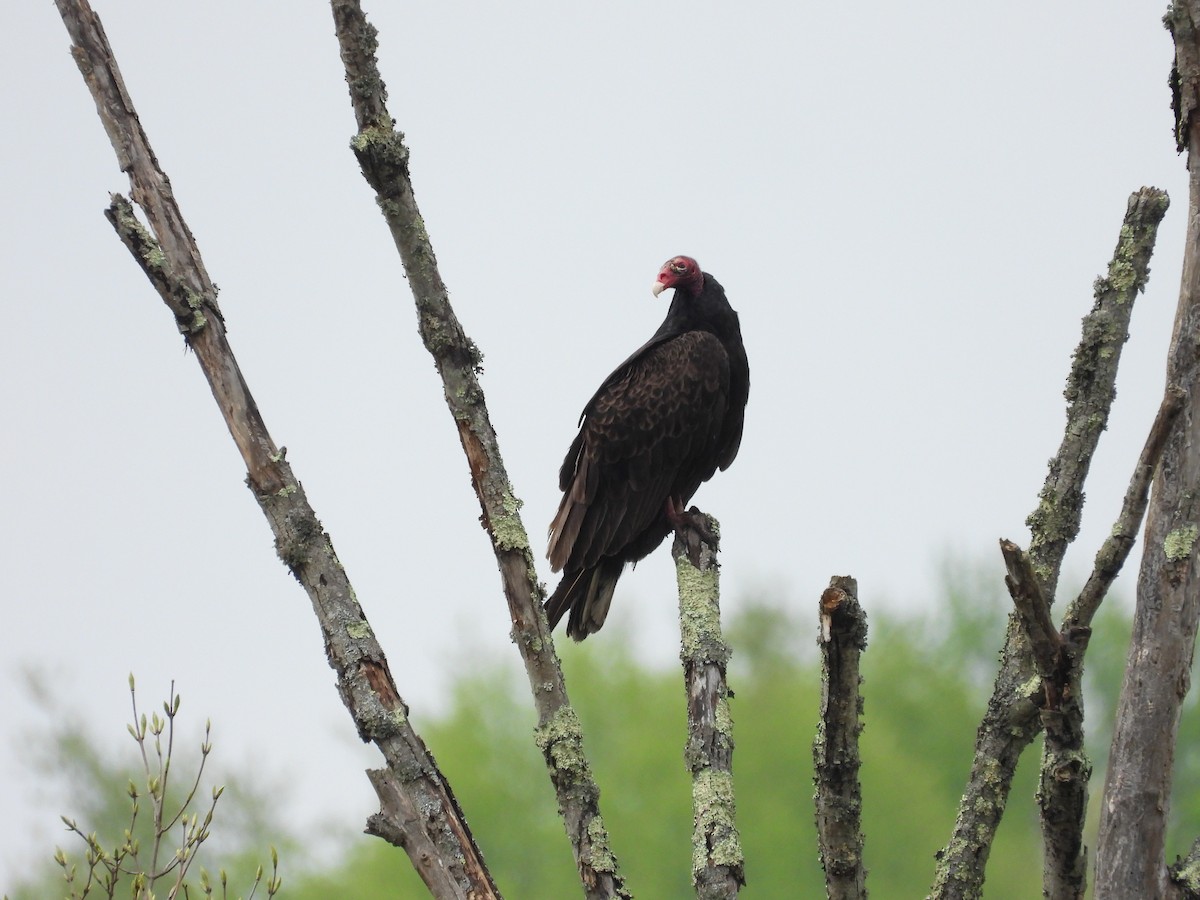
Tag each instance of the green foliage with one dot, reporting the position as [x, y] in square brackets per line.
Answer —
[917, 747]
[926, 681]
[145, 829]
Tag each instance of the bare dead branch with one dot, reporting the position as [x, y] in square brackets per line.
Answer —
[1063, 782]
[418, 808]
[717, 862]
[383, 157]
[1062, 790]
[1091, 386]
[1012, 719]
[842, 640]
[1115, 550]
[1130, 851]
[1044, 640]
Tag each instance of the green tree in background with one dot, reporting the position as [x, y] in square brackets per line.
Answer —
[925, 682]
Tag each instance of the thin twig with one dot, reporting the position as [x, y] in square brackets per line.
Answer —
[717, 862]
[383, 157]
[843, 638]
[434, 832]
[1111, 556]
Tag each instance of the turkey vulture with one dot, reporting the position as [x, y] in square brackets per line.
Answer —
[661, 424]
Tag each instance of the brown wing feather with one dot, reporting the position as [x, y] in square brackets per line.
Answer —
[653, 430]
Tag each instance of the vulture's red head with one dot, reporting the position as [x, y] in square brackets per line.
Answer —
[679, 272]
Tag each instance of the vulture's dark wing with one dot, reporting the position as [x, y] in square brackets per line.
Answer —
[652, 429]
[739, 393]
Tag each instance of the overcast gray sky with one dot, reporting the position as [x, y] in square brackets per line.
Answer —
[907, 203]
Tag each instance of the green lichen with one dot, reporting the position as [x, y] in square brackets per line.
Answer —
[1031, 688]
[1180, 542]
[286, 491]
[723, 718]
[715, 839]
[360, 630]
[561, 742]
[699, 613]
[507, 529]
[380, 146]
[602, 858]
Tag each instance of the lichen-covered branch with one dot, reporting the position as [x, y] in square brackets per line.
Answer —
[1012, 718]
[842, 640]
[1066, 769]
[1185, 875]
[1062, 790]
[1130, 850]
[1045, 643]
[717, 864]
[418, 809]
[1091, 386]
[1111, 556]
[383, 157]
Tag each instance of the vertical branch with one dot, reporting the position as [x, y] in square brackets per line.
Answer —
[1063, 787]
[1130, 855]
[418, 809]
[717, 864]
[1012, 718]
[838, 799]
[383, 158]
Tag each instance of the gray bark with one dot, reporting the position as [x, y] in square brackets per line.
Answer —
[1012, 719]
[717, 863]
[383, 157]
[1130, 856]
[836, 759]
[418, 809]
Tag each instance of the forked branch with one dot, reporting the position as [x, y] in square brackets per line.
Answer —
[1013, 716]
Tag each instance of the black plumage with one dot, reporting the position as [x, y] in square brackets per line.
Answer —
[658, 427]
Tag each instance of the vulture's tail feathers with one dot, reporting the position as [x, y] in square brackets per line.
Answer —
[587, 595]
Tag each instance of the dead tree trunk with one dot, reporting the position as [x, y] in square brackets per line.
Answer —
[1131, 851]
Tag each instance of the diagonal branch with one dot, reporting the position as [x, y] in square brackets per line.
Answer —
[1111, 556]
[383, 157]
[1091, 386]
[836, 756]
[1012, 720]
[717, 863]
[1045, 643]
[418, 809]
